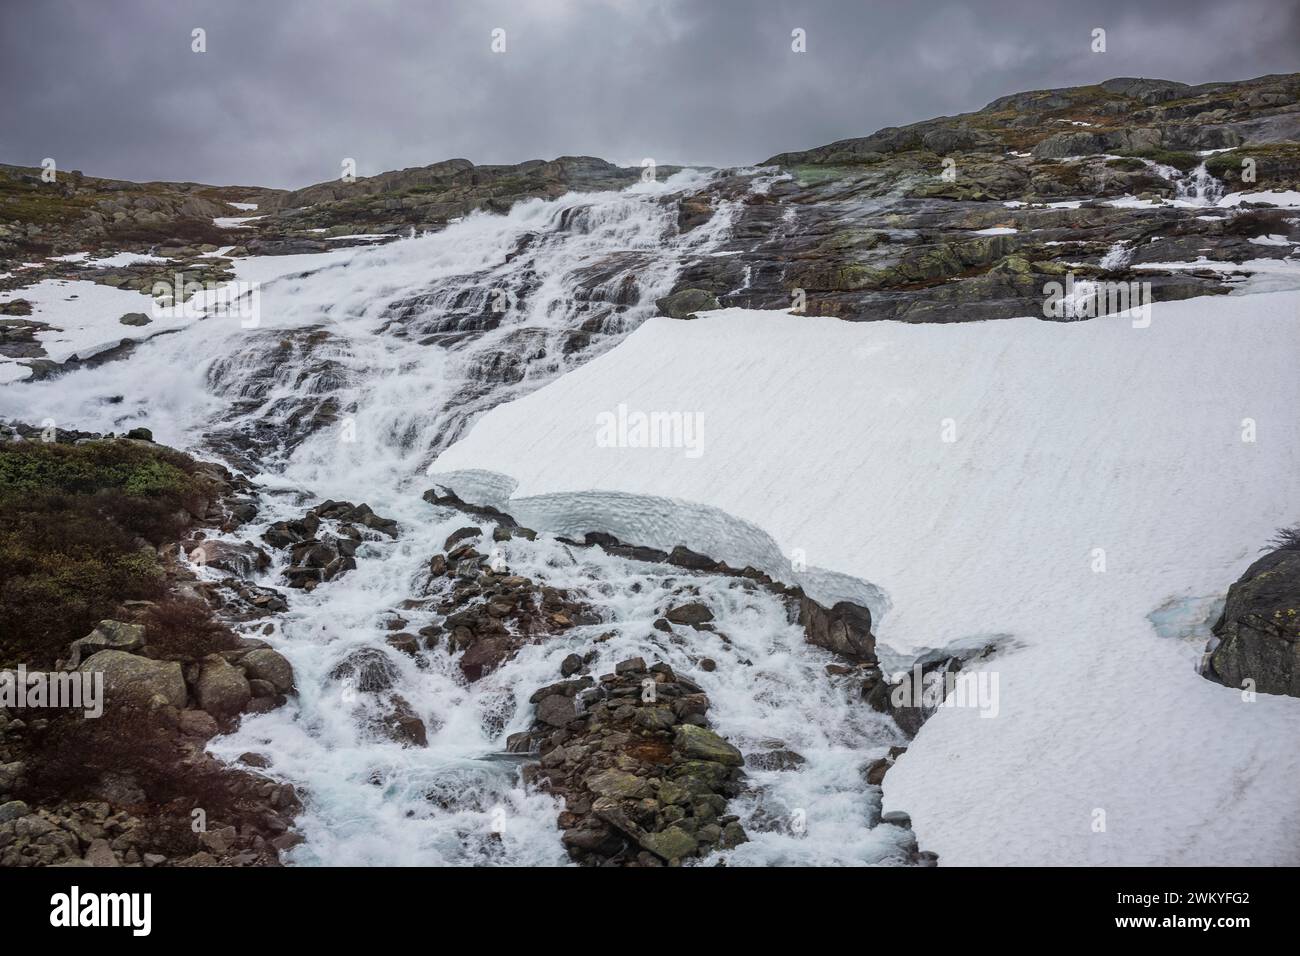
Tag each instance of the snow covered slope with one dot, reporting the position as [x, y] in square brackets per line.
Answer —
[1052, 482]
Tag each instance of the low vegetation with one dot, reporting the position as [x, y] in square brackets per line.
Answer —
[79, 528]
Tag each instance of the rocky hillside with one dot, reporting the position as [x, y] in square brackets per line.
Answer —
[77, 213]
[93, 587]
[82, 213]
[967, 217]
[950, 219]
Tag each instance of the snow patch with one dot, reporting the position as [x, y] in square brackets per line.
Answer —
[829, 437]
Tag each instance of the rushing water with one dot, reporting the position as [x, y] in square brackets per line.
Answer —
[363, 365]
[1199, 187]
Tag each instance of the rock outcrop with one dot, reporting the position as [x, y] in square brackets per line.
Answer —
[1257, 639]
[645, 781]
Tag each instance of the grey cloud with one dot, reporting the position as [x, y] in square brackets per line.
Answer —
[289, 88]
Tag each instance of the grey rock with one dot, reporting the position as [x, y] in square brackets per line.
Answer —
[107, 635]
[222, 689]
[1259, 631]
[269, 665]
[128, 677]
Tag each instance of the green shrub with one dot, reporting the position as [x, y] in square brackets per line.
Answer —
[1185, 162]
[79, 525]
[186, 631]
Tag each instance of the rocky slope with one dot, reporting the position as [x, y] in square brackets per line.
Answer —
[127, 781]
[966, 218]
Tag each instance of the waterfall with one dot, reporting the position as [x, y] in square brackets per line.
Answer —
[362, 366]
[1199, 187]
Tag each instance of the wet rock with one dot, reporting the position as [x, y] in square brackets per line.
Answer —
[271, 666]
[369, 669]
[685, 303]
[571, 665]
[689, 614]
[234, 557]
[690, 560]
[407, 644]
[896, 818]
[844, 629]
[874, 772]
[633, 665]
[557, 710]
[461, 535]
[441, 497]
[697, 743]
[775, 760]
[404, 726]
[356, 514]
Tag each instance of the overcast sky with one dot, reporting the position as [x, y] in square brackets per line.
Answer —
[288, 88]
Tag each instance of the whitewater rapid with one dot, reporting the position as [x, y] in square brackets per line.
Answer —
[362, 365]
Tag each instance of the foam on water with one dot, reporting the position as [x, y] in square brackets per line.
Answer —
[460, 800]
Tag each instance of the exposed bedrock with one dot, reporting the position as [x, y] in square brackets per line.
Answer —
[1257, 639]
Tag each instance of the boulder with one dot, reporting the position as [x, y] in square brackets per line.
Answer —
[692, 614]
[557, 710]
[1258, 634]
[268, 665]
[239, 558]
[222, 688]
[462, 534]
[670, 843]
[369, 668]
[697, 743]
[198, 723]
[684, 303]
[137, 679]
[107, 635]
[844, 629]
[616, 784]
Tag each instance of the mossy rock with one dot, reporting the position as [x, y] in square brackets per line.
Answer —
[684, 303]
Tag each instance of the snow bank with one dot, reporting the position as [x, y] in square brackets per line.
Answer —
[84, 317]
[983, 475]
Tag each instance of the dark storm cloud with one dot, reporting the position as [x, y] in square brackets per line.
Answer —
[288, 88]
